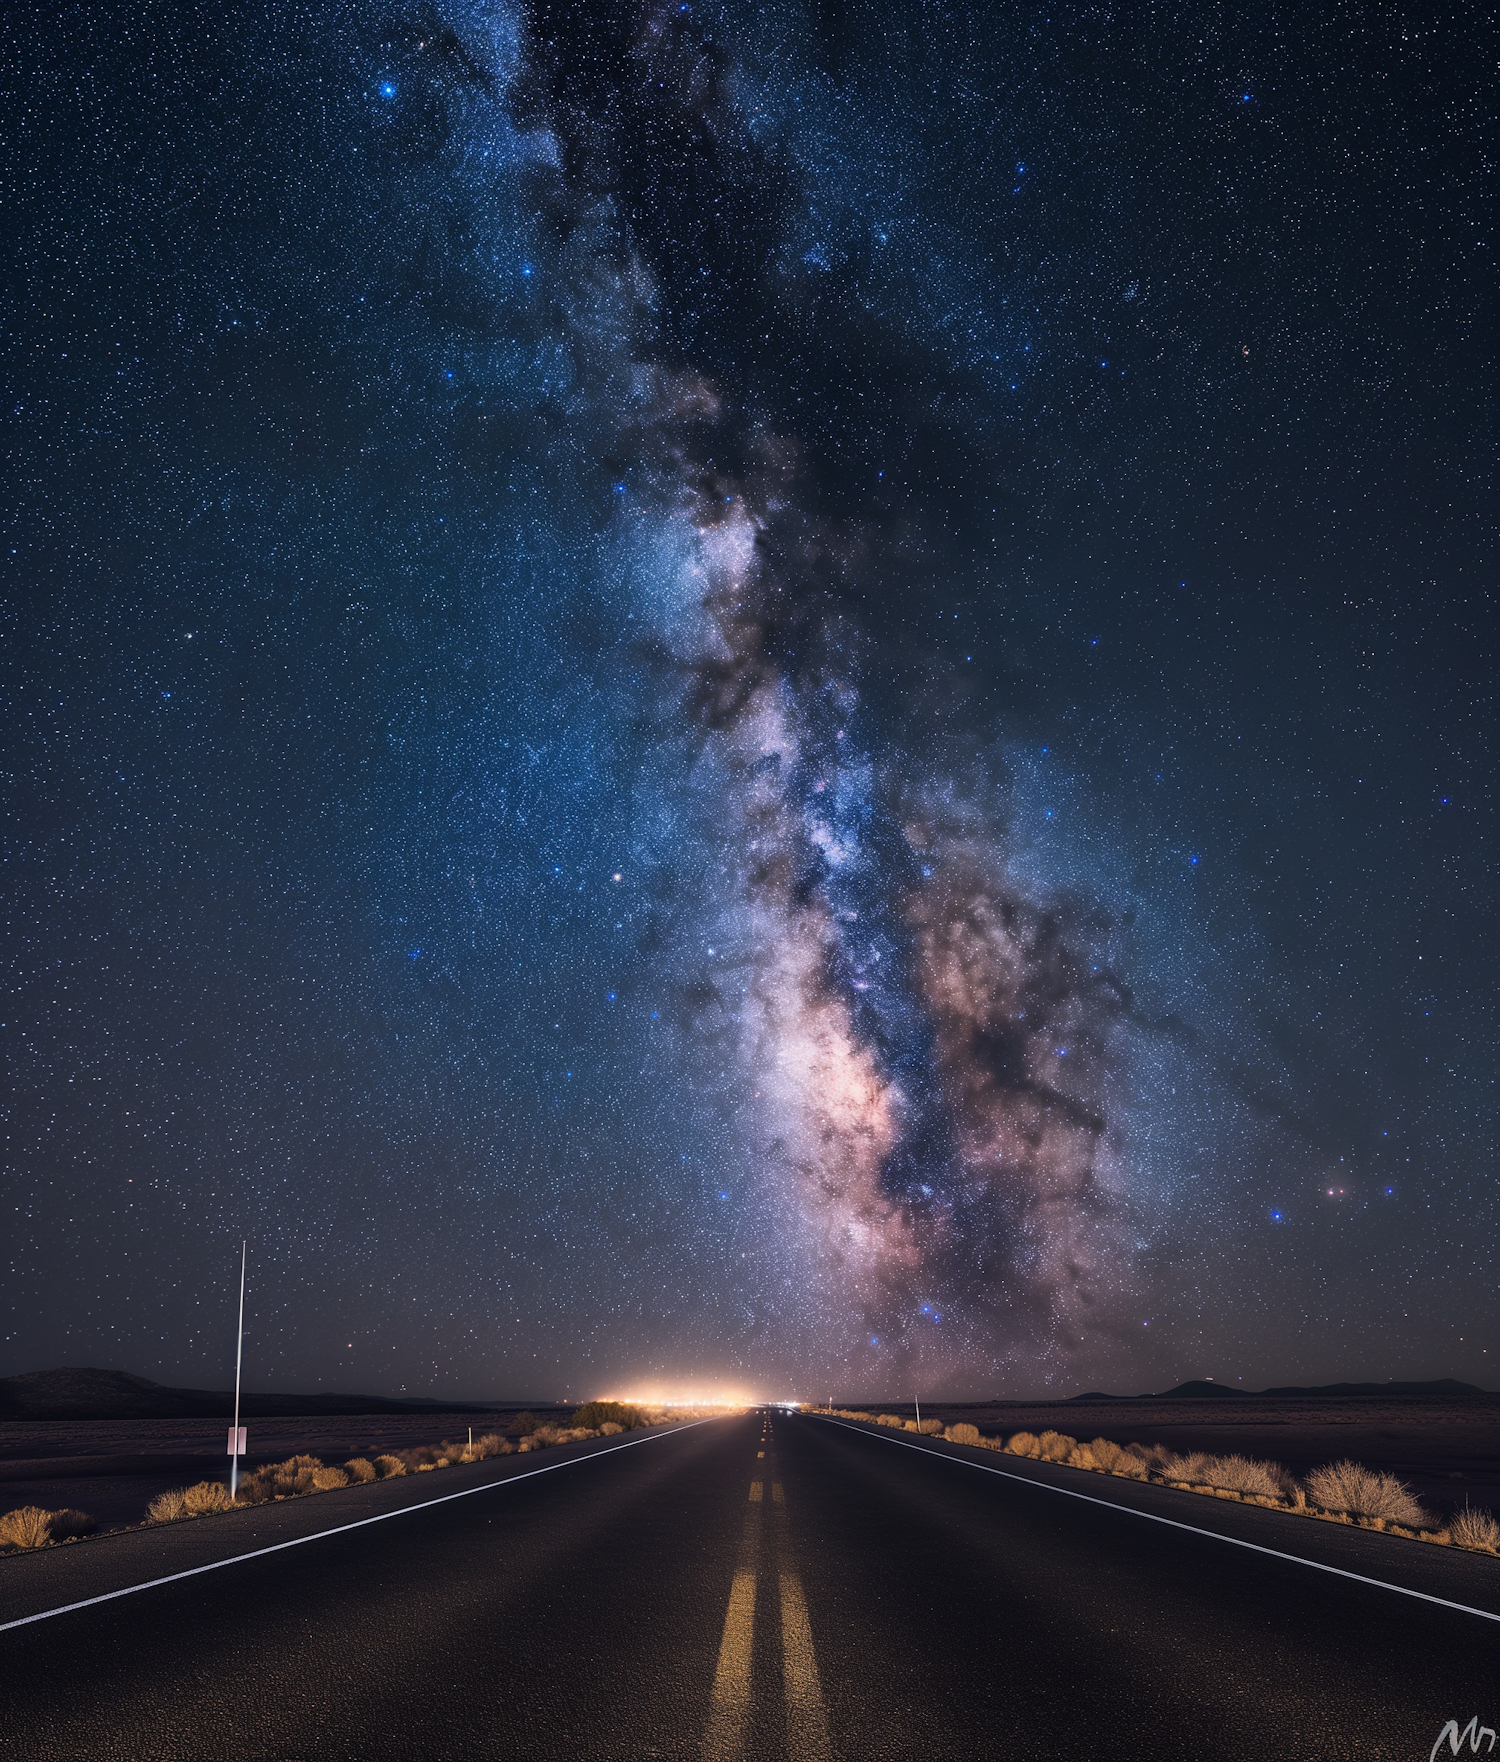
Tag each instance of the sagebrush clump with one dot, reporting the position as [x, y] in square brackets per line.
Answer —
[167, 1507]
[33, 1526]
[594, 1415]
[1365, 1492]
[206, 1497]
[1475, 1529]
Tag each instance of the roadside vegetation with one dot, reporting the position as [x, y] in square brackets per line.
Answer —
[33, 1527]
[1338, 1492]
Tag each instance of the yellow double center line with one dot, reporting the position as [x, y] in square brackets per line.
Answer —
[729, 1713]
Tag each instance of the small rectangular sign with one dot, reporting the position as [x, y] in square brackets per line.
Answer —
[237, 1440]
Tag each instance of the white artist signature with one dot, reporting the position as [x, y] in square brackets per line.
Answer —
[1474, 1734]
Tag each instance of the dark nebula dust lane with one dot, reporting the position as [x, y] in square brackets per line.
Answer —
[730, 695]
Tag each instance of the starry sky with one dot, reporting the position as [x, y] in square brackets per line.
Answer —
[750, 696]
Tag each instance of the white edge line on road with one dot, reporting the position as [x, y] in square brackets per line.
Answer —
[338, 1529]
[1171, 1522]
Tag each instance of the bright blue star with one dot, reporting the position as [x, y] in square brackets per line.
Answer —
[387, 90]
[414, 954]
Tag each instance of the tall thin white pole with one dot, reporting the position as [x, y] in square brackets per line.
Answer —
[239, 1354]
[918, 1401]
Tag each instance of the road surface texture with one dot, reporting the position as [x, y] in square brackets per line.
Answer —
[767, 1586]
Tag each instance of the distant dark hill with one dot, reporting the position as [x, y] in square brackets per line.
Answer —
[84, 1392]
[1200, 1389]
[1095, 1395]
[1438, 1386]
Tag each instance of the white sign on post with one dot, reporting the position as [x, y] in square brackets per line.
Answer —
[237, 1440]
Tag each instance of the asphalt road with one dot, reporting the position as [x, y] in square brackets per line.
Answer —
[846, 1594]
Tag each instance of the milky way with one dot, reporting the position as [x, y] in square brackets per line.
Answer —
[926, 1049]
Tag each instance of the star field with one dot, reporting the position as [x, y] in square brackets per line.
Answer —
[790, 694]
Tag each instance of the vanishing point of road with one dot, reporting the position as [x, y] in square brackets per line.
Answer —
[766, 1586]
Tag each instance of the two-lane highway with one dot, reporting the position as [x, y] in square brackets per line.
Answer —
[761, 1587]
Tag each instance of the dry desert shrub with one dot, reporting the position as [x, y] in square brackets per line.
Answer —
[610, 1430]
[361, 1469]
[1365, 1492]
[205, 1498]
[1081, 1456]
[890, 1419]
[492, 1444]
[1055, 1446]
[167, 1507]
[69, 1524]
[929, 1428]
[286, 1480]
[1024, 1444]
[1245, 1474]
[1473, 1528]
[1116, 1459]
[909, 1426]
[28, 1527]
[623, 1414]
[963, 1433]
[389, 1466]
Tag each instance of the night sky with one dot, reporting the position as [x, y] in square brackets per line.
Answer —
[771, 697]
